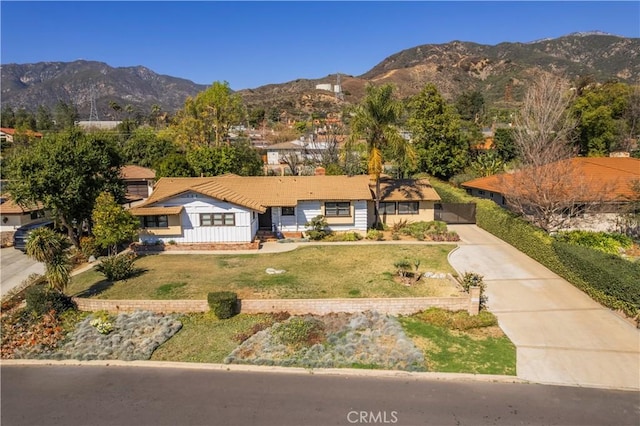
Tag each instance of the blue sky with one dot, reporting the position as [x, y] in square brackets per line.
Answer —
[250, 44]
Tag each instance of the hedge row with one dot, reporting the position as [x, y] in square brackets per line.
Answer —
[617, 289]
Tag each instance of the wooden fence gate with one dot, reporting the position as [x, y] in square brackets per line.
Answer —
[456, 212]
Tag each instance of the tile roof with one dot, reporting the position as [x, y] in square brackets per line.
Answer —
[10, 131]
[136, 172]
[616, 174]
[8, 206]
[406, 190]
[260, 192]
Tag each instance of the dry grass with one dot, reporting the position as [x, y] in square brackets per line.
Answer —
[311, 272]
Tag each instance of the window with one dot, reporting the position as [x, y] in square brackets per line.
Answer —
[409, 207]
[138, 188]
[217, 219]
[288, 211]
[159, 221]
[481, 192]
[387, 208]
[38, 214]
[341, 209]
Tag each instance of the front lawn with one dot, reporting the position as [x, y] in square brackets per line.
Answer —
[311, 272]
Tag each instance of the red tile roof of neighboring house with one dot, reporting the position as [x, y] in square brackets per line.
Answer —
[616, 174]
[8, 206]
[12, 132]
[133, 172]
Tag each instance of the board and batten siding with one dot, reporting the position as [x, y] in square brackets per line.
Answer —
[246, 222]
[307, 210]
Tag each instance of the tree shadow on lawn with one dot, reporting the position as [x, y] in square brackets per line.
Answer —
[103, 285]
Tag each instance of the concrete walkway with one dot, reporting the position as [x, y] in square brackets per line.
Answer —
[562, 336]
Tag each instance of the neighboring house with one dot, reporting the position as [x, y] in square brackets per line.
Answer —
[7, 134]
[97, 125]
[231, 209]
[139, 181]
[306, 151]
[13, 216]
[608, 181]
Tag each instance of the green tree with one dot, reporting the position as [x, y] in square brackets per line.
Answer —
[603, 118]
[44, 118]
[435, 126]
[174, 165]
[238, 158]
[470, 106]
[66, 172]
[504, 145]
[65, 115]
[112, 224]
[47, 246]
[375, 120]
[145, 148]
[487, 163]
[206, 119]
[25, 120]
[7, 117]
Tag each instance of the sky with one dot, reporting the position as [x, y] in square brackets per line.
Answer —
[250, 44]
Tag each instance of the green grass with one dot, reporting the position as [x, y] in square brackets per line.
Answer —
[204, 338]
[484, 350]
[311, 272]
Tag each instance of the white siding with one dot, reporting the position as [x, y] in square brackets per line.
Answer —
[195, 204]
[307, 210]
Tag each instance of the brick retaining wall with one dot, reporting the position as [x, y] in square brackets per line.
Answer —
[154, 248]
[391, 306]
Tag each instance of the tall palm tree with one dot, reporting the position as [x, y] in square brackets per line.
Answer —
[47, 246]
[375, 120]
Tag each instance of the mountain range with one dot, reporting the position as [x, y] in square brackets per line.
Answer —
[501, 73]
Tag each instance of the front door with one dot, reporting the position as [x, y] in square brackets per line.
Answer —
[264, 220]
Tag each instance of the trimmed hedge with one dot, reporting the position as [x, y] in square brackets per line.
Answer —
[575, 264]
[224, 304]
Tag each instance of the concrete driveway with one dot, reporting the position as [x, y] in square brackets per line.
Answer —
[561, 335]
[16, 267]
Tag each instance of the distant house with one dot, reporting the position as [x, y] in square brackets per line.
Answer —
[8, 134]
[139, 181]
[608, 180]
[278, 154]
[14, 216]
[97, 125]
[231, 209]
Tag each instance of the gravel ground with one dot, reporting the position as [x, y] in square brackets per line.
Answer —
[368, 339]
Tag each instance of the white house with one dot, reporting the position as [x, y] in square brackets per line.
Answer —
[231, 209]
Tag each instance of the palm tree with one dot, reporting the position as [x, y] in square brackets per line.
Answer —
[47, 246]
[375, 120]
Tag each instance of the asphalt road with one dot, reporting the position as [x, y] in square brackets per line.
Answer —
[15, 268]
[116, 395]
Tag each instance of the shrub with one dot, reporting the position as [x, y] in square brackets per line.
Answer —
[459, 320]
[118, 267]
[224, 304]
[318, 227]
[41, 300]
[346, 236]
[375, 235]
[395, 236]
[602, 241]
[88, 247]
[471, 279]
[399, 225]
[300, 331]
[102, 322]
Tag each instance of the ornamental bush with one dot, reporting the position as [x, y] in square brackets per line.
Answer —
[41, 300]
[118, 267]
[223, 304]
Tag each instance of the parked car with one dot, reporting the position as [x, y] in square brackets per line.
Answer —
[22, 233]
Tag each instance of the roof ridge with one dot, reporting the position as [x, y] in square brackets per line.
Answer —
[590, 160]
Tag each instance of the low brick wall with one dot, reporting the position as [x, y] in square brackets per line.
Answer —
[391, 306]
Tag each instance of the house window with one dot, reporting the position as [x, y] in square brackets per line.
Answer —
[387, 208]
[159, 221]
[217, 219]
[37, 214]
[288, 211]
[138, 188]
[340, 209]
[480, 192]
[408, 207]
